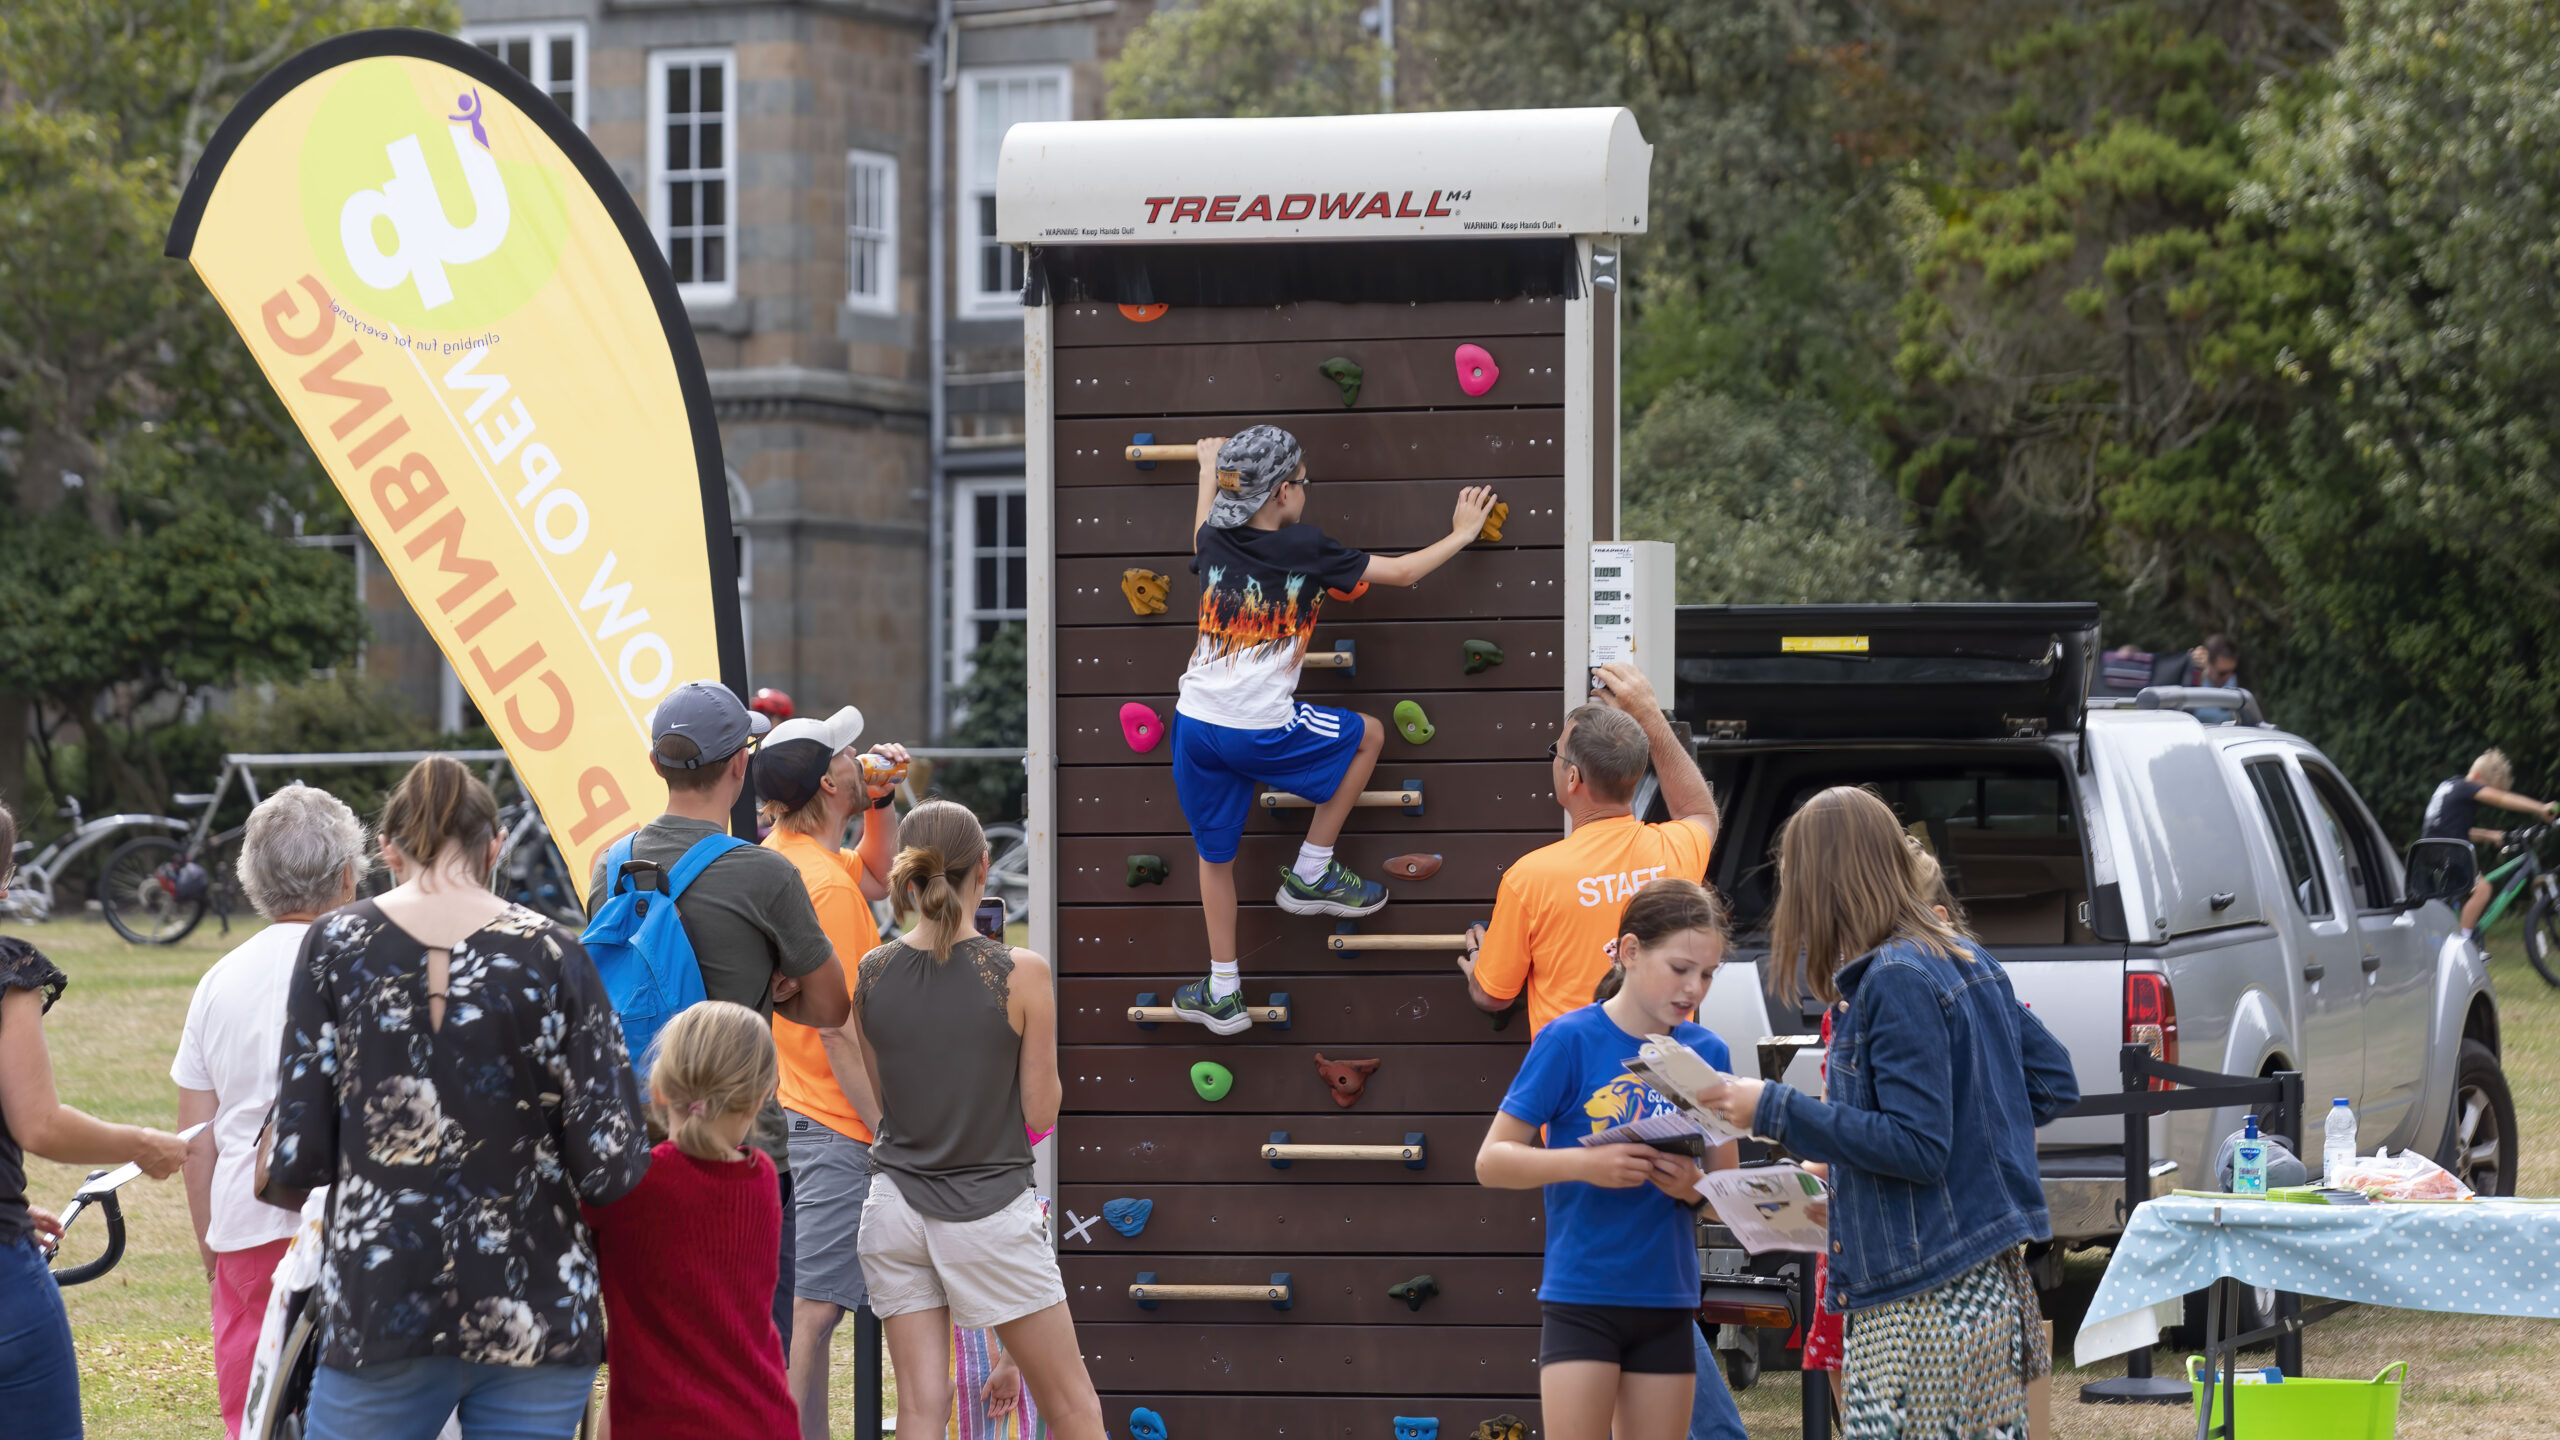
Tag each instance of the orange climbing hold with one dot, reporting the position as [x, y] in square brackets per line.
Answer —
[1347, 596]
[1414, 867]
[1493, 523]
[1145, 591]
[1143, 313]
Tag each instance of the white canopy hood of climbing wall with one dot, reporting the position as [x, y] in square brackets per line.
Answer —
[1464, 174]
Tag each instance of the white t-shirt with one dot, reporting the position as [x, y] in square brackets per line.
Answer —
[233, 1040]
[1260, 592]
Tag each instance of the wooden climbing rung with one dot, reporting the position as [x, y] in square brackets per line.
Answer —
[1164, 452]
[1395, 942]
[1329, 660]
[1401, 1154]
[1369, 800]
[1163, 1015]
[1148, 1293]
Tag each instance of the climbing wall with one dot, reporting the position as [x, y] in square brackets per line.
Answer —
[1351, 1352]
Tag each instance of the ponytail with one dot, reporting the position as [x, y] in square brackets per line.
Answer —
[1661, 909]
[939, 847]
[714, 1061]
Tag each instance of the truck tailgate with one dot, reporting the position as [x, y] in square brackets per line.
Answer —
[2081, 1000]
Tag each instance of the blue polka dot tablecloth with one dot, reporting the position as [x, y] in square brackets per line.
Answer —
[2485, 1257]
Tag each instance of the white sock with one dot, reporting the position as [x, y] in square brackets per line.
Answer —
[1224, 979]
[1311, 861]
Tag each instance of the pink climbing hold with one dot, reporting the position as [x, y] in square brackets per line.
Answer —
[1143, 727]
[1476, 370]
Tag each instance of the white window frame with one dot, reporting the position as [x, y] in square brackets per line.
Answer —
[726, 287]
[540, 34]
[742, 507]
[882, 298]
[965, 612]
[976, 302]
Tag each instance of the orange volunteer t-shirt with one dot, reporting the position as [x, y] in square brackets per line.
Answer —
[808, 1082]
[1558, 908]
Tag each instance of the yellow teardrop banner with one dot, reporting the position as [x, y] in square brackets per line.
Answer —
[472, 324]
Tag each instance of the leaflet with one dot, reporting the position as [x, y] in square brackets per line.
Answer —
[1683, 1077]
[1769, 1207]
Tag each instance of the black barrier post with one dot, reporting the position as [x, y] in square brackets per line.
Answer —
[866, 1374]
[2138, 1385]
[2289, 1305]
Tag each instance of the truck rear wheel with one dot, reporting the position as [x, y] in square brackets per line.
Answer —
[2479, 1144]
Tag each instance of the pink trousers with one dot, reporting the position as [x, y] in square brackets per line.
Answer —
[241, 1280]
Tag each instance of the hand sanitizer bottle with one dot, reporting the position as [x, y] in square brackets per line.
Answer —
[2249, 1161]
[2337, 1141]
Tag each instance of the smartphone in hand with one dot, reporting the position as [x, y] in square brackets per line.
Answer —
[990, 918]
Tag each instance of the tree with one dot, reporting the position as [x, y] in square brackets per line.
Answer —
[1773, 505]
[2425, 533]
[994, 712]
[2094, 348]
[151, 464]
[1221, 58]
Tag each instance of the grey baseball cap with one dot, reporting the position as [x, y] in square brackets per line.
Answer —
[702, 722]
[1256, 460]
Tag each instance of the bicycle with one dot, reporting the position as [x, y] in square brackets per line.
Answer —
[530, 870]
[156, 890]
[30, 894]
[2542, 917]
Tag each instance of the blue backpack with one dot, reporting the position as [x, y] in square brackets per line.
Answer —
[639, 946]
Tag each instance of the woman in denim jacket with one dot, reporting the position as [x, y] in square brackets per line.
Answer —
[1938, 1080]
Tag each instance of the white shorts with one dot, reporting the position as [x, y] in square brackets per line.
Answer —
[988, 1272]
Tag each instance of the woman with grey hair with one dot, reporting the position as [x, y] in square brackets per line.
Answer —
[302, 855]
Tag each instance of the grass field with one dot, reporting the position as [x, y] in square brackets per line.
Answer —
[147, 1364]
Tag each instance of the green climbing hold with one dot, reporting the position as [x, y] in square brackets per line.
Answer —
[1146, 870]
[1413, 724]
[1345, 374]
[1212, 1080]
[1482, 655]
[1415, 1291]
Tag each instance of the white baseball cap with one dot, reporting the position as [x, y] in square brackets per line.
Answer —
[836, 732]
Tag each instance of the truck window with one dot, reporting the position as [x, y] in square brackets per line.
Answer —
[2358, 850]
[2293, 836]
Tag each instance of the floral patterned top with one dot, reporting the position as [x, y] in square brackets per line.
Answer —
[458, 1153]
[22, 967]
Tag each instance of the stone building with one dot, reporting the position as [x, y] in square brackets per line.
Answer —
[783, 151]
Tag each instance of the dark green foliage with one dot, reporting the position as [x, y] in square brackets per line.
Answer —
[995, 710]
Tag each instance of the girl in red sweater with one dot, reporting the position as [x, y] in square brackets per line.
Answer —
[689, 1256]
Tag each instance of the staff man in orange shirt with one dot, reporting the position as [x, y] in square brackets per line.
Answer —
[809, 787]
[1557, 909]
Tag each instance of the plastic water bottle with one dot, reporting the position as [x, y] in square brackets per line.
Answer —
[2337, 1141]
[2249, 1161]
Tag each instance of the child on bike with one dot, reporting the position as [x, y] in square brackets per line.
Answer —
[2456, 804]
[1620, 1289]
[689, 1257]
[1263, 577]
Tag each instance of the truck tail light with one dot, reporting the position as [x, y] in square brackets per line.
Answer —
[2151, 1019]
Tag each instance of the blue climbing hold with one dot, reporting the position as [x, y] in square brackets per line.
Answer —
[1411, 1428]
[1145, 1424]
[1127, 1216]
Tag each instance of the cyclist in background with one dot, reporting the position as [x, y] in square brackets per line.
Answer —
[2456, 804]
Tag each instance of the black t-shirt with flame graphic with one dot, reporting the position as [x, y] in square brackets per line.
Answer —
[1260, 591]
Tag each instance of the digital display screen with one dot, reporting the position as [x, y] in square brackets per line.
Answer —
[1606, 572]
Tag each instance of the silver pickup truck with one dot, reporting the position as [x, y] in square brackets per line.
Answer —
[2216, 891]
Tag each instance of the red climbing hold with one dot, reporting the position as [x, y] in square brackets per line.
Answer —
[1476, 370]
[1346, 1078]
[1144, 313]
[1143, 727]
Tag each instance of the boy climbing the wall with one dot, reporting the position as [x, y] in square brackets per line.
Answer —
[1263, 576]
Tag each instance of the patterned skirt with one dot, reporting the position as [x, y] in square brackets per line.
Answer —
[971, 1363]
[1950, 1363]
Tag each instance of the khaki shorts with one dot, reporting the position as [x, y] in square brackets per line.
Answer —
[988, 1272]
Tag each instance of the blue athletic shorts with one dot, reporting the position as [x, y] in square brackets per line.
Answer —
[1215, 769]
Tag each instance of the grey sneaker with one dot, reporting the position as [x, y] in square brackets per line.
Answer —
[1339, 893]
[1222, 1017]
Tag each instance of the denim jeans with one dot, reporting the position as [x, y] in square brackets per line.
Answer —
[39, 1376]
[1712, 1415]
[409, 1400]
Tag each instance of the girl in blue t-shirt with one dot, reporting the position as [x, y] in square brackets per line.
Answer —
[1620, 1290]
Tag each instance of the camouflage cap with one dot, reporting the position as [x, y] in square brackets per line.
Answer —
[1250, 467]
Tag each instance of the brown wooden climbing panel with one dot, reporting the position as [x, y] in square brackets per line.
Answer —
[1346, 1356]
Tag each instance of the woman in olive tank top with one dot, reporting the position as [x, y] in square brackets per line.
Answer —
[959, 1035]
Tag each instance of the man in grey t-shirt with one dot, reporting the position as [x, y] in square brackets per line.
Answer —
[754, 933]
